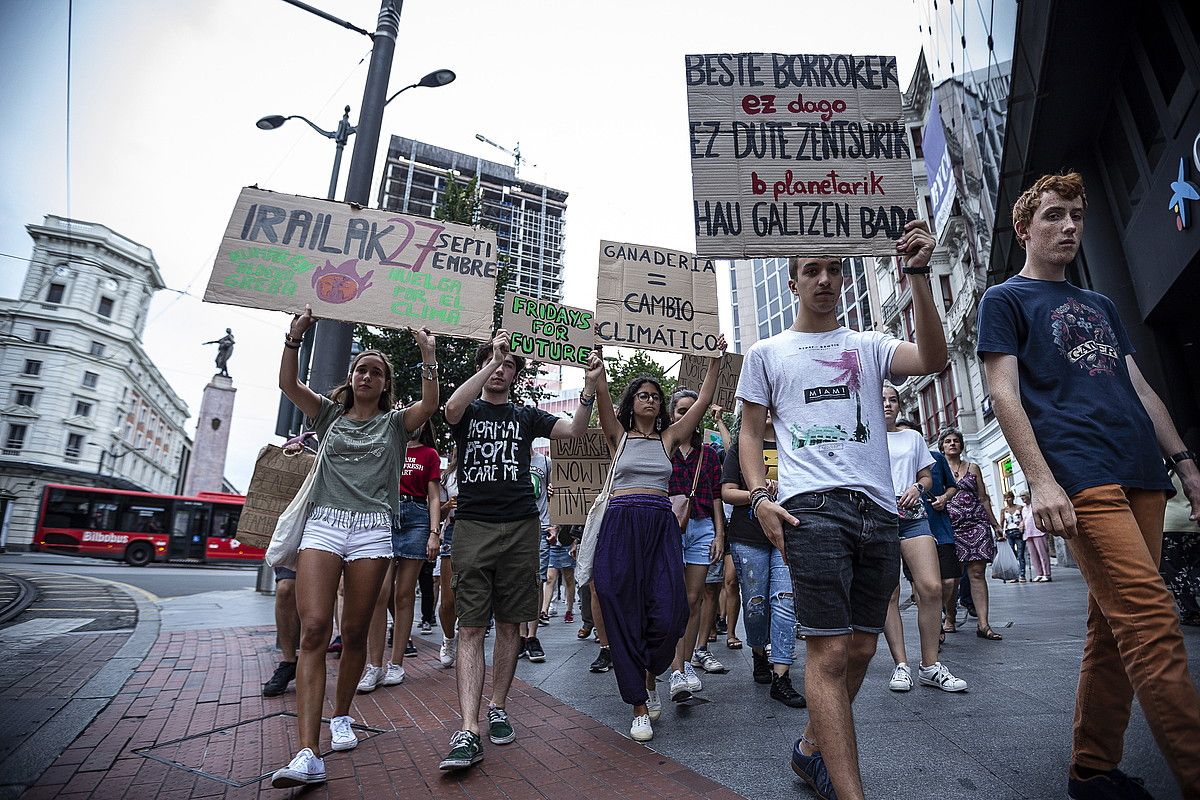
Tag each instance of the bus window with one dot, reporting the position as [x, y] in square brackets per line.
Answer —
[191, 518]
[142, 515]
[225, 521]
[104, 515]
[67, 509]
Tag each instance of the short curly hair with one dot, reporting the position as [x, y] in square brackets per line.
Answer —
[1067, 185]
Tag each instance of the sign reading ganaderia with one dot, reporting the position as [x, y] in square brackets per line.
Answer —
[656, 299]
[282, 251]
[797, 154]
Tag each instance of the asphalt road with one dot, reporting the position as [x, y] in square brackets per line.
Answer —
[162, 580]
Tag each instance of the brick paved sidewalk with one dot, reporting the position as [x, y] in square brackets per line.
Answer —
[194, 682]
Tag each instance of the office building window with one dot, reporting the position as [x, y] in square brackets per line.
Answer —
[83, 408]
[33, 367]
[90, 379]
[14, 439]
[41, 336]
[97, 349]
[25, 397]
[56, 292]
[74, 446]
[105, 308]
[947, 292]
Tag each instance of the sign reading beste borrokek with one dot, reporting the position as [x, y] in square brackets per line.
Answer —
[282, 251]
[797, 154]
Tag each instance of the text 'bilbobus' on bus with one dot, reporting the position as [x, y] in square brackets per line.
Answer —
[139, 527]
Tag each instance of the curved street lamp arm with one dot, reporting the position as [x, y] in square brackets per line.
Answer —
[314, 126]
[397, 94]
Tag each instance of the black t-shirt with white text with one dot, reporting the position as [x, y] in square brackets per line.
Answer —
[494, 444]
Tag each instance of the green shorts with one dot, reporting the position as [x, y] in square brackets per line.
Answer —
[495, 571]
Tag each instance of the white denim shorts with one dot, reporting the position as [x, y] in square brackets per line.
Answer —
[349, 534]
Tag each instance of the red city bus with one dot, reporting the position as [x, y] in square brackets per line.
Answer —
[139, 527]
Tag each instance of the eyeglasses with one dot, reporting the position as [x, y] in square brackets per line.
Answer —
[648, 397]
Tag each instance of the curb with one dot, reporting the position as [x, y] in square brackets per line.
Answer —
[25, 764]
[26, 594]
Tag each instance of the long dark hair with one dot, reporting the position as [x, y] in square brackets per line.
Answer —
[681, 395]
[344, 394]
[625, 406]
[424, 435]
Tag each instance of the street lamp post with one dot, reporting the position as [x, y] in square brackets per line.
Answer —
[287, 421]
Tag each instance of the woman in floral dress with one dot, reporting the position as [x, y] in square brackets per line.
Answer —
[975, 527]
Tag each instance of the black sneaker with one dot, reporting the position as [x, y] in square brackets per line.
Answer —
[410, 649]
[814, 772]
[524, 651]
[603, 662]
[762, 668]
[466, 750]
[1115, 785]
[782, 690]
[722, 626]
[534, 651]
[285, 673]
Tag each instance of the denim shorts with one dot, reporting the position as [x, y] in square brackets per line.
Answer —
[696, 539]
[349, 534]
[716, 572]
[912, 528]
[844, 558]
[412, 533]
[559, 557]
[447, 540]
[284, 574]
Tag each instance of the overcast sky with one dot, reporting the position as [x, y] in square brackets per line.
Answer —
[164, 96]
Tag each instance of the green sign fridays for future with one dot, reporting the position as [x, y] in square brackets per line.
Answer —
[542, 330]
[282, 251]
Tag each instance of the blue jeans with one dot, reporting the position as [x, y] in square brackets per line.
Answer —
[768, 611]
[1017, 542]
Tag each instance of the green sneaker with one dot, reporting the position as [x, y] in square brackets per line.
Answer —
[500, 730]
[466, 750]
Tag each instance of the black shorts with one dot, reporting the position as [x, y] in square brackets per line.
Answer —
[844, 557]
[948, 562]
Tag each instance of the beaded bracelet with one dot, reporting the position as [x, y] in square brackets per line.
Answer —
[428, 371]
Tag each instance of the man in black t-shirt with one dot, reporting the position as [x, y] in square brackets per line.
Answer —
[496, 531]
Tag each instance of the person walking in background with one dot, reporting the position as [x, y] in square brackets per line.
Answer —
[447, 616]
[539, 474]
[1035, 542]
[1014, 531]
[351, 513]
[975, 527]
[287, 631]
[1091, 436]
[1181, 555]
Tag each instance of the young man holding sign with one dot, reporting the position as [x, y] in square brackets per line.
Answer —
[496, 532]
[835, 519]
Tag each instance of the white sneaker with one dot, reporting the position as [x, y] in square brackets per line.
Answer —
[371, 678]
[304, 769]
[679, 687]
[705, 661]
[394, 676]
[689, 672]
[641, 730]
[938, 676]
[449, 651]
[901, 679]
[343, 735]
[653, 707]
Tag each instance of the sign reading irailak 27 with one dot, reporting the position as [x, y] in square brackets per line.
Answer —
[797, 154]
[283, 251]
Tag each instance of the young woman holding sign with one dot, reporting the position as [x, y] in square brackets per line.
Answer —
[351, 512]
[638, 568]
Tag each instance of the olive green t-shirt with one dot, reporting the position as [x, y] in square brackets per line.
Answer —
[360, 468]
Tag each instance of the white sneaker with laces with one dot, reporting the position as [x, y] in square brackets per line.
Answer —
[653, 706]
[306, 768]
[371, 678]
[707, 662]
[394, 676]
[679, 687]
[939, 677]
[448, 652]
[689, 672]
[641, 731]
[901, 679]
[343, 735]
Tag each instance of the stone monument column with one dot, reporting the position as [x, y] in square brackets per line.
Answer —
[207, 469]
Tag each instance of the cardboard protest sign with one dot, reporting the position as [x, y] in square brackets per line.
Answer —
[656, 299]
[281, 251]
[693, 368]
[578, 472]
[542, 330]
[712, 438]
[797, 154]
[276, 479]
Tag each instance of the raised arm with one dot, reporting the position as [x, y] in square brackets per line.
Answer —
[613, 430]
[928, 354]
[419, 412]
[1052, 509]
[577, 426]
[719, 416]
[682, 430]
[472, 387]
[1169, 441]
[308, 401]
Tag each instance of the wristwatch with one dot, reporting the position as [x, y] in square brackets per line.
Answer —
[1182, 455]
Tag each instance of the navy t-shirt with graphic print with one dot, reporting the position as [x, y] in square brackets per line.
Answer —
[494, 444]
[1070, 346]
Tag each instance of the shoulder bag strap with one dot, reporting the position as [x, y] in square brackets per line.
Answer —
[608, 479]
[696, 477]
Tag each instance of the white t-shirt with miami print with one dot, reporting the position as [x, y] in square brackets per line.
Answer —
[825, 395]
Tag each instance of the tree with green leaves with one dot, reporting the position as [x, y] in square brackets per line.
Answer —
[622, 370]
[460, 204]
